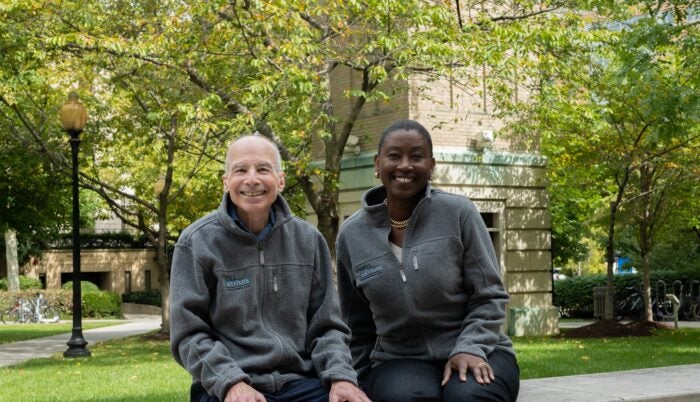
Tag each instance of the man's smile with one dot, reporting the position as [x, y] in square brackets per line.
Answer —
[252, 193]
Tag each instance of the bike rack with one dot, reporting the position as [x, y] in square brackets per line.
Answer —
[676, 304]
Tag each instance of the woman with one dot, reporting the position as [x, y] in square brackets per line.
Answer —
[420, 285]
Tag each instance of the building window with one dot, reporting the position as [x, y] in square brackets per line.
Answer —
[491, 220]
[127, 282]
[147, 279]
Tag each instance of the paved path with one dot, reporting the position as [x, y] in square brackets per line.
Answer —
[17, 352]
[667, 384]
[674, 383]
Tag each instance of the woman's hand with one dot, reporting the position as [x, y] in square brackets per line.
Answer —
[342, 391]
[463, 363]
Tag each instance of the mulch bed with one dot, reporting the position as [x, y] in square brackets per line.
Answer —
[156, 336]
[614, 329]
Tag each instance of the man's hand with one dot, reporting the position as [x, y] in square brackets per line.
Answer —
[463, 362]
[242, 392]
[345, 391]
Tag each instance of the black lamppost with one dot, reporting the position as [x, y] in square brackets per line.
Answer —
[73, 118]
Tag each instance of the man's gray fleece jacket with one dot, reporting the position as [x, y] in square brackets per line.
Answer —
[264, 312]
[446, 298]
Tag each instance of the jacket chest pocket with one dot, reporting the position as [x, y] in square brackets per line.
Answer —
[436, 271]
[237, 290]
[379, 280]
[288, 292]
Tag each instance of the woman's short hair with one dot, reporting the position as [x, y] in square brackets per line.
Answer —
[406, 125]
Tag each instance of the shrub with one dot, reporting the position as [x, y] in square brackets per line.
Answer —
[151, 297]
[25, 283]
[574, 295]
[85, 286]
[101, 304]
[103, 240]
[96, 304]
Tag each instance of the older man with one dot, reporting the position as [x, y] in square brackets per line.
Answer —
[254, 312]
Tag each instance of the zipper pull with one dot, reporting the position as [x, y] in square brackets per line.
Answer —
[415, 262]
[274, 282]
[261, 254]
[403, 274]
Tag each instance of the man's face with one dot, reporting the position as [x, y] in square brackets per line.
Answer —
[253, 180]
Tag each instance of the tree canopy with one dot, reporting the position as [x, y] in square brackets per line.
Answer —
[169, 83]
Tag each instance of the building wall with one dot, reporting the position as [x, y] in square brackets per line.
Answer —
[513, 188]
[503, 182]
[113, 266]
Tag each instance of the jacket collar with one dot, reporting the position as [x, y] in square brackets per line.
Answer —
[373, 204]
[280, 208]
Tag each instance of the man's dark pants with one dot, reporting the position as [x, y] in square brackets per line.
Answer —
[305, 390]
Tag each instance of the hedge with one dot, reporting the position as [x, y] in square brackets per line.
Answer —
[103, 240]
[25, 283]
[151, 297]
[101, 304]
[574, 295]
[85, 286]
[96, 304]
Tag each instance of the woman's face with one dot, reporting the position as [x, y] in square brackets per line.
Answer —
[404, 163]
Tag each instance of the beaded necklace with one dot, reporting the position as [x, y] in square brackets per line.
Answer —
[397, 224]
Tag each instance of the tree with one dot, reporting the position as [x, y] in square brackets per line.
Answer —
[36, 197]
[629, 109]
[169, 83]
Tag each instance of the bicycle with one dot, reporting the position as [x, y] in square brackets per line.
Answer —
[694, 301]
[25, 311]
[631, 306]
[19, 312]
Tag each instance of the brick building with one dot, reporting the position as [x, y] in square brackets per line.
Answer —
[508, 186]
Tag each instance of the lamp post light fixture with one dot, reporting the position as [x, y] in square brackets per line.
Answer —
[73, 118]
[159, 185]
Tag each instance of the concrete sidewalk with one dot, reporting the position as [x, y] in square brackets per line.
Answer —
[674, 383]
[17, 352]
[667, 384]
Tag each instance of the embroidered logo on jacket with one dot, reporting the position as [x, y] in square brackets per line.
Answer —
[236, 284]
[369, 271]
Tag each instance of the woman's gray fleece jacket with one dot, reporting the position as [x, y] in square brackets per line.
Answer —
[264, 312]
[446, 298]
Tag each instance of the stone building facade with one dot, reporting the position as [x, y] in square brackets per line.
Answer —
[115, 270]
[508, 186]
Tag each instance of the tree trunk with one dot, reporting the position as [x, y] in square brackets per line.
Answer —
[12, 262]
[610, 247]
[610, 258]
[645, 238]
[164, 280]
[162, 255]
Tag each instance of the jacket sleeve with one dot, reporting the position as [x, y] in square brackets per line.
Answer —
[327, 333]
[191, 336]
[356, 313]
[481, 328]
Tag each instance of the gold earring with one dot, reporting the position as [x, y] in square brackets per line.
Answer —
[376, 174]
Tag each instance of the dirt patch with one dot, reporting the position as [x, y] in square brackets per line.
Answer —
[614, 329]
[156, 336]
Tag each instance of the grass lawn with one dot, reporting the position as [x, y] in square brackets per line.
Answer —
[131, 369]
[141, 369]
[23, 332]
[552, 357]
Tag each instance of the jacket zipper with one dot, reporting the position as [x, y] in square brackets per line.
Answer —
[261, 259]
[261, 254]
[401, 271]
